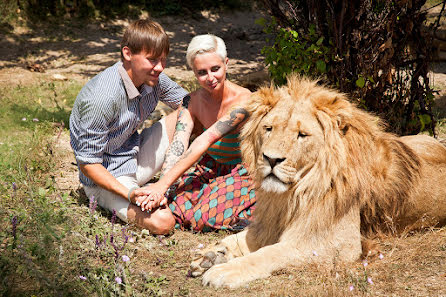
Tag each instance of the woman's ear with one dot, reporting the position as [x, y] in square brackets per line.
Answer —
[226, 63]
[126, 53]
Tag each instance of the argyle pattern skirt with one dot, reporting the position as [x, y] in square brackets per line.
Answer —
[214, 196]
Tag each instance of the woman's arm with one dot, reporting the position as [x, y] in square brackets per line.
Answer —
[223, 126]
[180, 141]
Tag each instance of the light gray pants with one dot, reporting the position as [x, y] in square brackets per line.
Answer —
[154, 143]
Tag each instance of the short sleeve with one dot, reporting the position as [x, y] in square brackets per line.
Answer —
[170, 92]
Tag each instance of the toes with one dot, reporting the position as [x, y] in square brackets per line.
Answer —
[202, 262]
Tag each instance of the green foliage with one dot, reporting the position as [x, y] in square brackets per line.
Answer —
[350, 47]
[304, 53]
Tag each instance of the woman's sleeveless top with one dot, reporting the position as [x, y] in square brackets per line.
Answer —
[226, 150]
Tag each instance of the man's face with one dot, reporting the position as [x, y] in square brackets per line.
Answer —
[144, 67]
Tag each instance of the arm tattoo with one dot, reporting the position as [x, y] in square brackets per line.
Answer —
[236, 117]
[186, 100]
[177, 148]
[180, 127]
[179, 143]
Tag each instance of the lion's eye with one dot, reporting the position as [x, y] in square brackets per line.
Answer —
[302, 134]
[268, 128]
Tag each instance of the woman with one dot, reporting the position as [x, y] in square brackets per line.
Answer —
[218, 194]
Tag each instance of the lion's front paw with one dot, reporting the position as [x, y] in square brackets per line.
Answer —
[226, 275]
[203, 260]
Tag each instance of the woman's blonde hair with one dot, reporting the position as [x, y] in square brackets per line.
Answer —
[206, 43]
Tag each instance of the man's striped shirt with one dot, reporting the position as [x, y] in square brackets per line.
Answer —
[106, 116]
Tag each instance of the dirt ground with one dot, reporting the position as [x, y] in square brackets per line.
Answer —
[81, 51]
[78, 52]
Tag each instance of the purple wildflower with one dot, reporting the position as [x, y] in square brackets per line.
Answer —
[93, 204]
[99, 242]
[113, 219]
[125, 258]
[351, 288]
[14, 222]
[82, 277]
[369, 280]
[118, 280]
[14, 186]
[125, 236]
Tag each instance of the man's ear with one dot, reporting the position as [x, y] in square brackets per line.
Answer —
[126, 53]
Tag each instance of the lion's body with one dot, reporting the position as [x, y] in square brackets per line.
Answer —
[326, 174]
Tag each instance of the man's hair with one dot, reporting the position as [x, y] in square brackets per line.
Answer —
[206, 43]
[146, 35]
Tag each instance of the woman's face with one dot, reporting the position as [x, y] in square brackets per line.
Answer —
[210, 71]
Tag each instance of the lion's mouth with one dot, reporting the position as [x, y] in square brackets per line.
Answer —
[274, 178]
[272, 183]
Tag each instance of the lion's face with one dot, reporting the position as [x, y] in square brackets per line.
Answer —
[294, 134]
[290, 138]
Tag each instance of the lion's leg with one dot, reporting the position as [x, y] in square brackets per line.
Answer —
[259, 264]
[230, 247]
[297, 246]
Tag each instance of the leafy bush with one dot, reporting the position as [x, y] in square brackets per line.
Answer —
[293, 52]
[377, 51]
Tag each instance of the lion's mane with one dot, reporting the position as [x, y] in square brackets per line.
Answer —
[359, 165]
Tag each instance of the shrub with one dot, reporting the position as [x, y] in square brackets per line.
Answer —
[377, 51]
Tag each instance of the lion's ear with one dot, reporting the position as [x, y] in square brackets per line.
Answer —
[343, 123]
[259, 104]
[339, 110]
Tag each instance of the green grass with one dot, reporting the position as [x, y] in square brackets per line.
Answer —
[39, 254]
[27, 115]
[53, 242]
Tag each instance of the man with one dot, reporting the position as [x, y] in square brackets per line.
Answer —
[113, 158]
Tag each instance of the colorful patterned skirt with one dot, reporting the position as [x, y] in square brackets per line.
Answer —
[214, 196]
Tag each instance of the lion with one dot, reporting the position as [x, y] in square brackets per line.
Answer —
[327, 175]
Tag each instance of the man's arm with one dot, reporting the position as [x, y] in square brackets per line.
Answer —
[171, 93]
[103, 178]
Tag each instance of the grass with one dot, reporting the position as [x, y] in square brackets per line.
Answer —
[55, 242]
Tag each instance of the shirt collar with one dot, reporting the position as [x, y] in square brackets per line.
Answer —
[130, 88]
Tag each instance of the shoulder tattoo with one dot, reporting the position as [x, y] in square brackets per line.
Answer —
[186, 100]
[236, 116]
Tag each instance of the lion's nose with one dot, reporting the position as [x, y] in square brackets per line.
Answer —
[273, 161]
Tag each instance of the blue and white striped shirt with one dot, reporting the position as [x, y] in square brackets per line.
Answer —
[106, 116]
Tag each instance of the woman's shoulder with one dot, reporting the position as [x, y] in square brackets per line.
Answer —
[241, 92]
[198, 96]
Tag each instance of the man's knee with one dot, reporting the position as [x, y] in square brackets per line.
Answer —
[161, 221]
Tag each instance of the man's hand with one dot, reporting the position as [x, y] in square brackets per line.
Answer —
[150, 197]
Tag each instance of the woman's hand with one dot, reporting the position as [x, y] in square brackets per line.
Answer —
[150, 197]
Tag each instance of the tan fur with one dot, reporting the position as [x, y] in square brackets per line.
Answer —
[337, 177]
